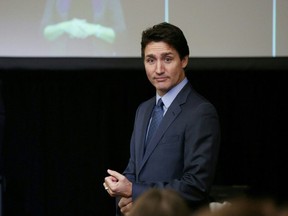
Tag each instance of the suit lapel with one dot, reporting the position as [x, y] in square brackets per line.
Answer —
[144, 120]
[171, 114]
[166, 122]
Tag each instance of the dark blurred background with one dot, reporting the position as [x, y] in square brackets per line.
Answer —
[65, 121]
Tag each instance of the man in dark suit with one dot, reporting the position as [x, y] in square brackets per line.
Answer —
[182, 153]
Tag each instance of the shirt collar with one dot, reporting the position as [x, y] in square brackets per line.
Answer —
[171, 94]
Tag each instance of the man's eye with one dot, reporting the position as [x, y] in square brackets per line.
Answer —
[150, 61]
[168, 59]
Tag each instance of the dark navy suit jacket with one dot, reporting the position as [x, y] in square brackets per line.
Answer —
[183, 152]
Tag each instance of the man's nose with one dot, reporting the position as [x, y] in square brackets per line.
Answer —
[159, 67]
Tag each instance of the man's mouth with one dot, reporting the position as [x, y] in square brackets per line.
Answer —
[161, 79]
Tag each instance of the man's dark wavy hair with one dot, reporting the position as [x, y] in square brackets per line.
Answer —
[168, 33]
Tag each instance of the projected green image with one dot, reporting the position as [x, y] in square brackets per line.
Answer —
[79, 28]
[101, 21]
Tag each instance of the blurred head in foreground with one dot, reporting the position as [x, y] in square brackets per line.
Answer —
[160, 202]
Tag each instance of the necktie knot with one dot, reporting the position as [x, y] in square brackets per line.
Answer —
[160, 103]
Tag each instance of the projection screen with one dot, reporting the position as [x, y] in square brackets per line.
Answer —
[112, 28]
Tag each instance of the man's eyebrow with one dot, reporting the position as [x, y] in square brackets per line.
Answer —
[167, 53]
[150, 56]
[162, 55]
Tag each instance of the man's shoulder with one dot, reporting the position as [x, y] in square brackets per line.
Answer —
[148, 102]
[144, 105]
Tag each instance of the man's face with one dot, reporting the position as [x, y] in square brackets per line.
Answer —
[163, 66]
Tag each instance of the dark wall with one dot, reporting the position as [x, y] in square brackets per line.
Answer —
[68, 120]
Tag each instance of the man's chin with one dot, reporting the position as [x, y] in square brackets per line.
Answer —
[162, 89]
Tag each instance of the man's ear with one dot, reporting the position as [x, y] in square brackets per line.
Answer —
[185, 61]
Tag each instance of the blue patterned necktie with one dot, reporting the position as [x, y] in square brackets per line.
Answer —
[157, 116]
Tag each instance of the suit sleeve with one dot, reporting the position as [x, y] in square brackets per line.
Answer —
[129, 172]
